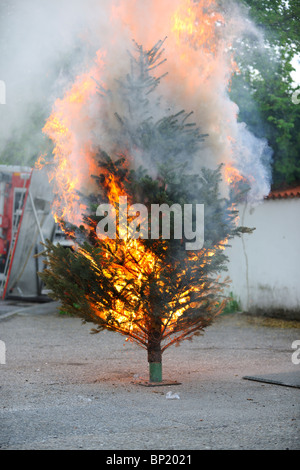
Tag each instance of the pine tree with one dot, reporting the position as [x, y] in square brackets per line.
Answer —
[154, 291]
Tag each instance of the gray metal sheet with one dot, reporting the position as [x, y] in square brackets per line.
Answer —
[23, 278]
[287, 379]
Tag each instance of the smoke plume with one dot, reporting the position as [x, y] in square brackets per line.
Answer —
[49, 48]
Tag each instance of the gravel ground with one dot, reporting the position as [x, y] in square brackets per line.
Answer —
[63, 388]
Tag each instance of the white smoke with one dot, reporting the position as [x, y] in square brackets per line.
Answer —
[44, 45]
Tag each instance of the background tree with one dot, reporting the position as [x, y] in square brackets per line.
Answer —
[263, 90]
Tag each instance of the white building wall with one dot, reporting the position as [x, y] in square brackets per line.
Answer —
[265, 266]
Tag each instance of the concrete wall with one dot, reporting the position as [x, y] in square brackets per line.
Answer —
[265, 266]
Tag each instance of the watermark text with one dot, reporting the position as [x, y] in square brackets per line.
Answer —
[2, 352]
[133, 222]
[2, 92]
[296, 354]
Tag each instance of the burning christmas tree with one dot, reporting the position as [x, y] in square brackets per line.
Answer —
[140, 264]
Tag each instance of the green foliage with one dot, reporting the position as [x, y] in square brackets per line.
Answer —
[157, 279]
[232, 305]
[279, 18]
[153, 291]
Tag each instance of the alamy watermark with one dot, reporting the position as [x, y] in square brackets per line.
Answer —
[2, 92]
[2, 352]
[133, 222]
[296, 354]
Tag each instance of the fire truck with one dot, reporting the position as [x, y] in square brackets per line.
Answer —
[26, 221]
[14, 183]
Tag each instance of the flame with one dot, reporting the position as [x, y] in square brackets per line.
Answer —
[138, 264]
[73, 155]
[197, 24]
[232, 175]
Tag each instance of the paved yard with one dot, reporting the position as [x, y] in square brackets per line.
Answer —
[63, 388]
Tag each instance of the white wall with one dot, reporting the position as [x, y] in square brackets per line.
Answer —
[265, 266]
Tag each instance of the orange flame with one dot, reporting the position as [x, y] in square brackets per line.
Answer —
[73, 156]
[232, 175]
[197, 24]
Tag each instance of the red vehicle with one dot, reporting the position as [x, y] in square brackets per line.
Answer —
[26, 221]
[14, 184]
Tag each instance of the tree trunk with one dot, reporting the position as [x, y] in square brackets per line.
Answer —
[155, 355]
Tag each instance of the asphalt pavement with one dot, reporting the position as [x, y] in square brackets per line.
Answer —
[63, 388]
